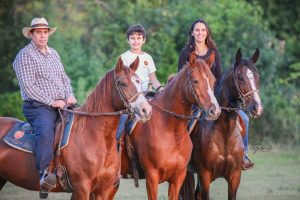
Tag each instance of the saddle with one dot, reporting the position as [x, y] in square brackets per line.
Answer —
[21, 137]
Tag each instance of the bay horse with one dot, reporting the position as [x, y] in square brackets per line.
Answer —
[91, 157]
[217, 145]
[162, 144]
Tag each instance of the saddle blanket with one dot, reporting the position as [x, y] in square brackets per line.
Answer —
[21, 136]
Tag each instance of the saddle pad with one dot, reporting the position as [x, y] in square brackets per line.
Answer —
[21, 136]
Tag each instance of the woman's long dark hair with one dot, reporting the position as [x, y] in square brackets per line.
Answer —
[208, 41]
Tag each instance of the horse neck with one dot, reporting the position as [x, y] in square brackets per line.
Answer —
[224, 93]
[101, 98]
[173, 98]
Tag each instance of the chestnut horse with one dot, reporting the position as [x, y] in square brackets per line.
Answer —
[162, 144]
[91, 157]
[217, 145]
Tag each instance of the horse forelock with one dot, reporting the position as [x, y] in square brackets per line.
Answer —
[204, 70]
[247, 63]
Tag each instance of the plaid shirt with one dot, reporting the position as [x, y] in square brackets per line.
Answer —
[41, 76]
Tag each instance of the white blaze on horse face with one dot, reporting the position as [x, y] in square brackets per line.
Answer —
[137, 82]
[142, 108]
[212, 96]
[253, 86]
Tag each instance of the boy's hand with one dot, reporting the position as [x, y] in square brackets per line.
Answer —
[160, 89]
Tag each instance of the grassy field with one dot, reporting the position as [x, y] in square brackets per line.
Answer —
[276, 176]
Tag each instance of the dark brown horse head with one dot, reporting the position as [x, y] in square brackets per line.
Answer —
[202, 81]
[129, 89]
[246, 80]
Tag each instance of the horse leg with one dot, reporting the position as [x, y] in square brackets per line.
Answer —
[81, 194]
[2, 183]
[204, 185]
[175, 185]
[152, 186]
[112, 192]
[233, 183]
[187, 189]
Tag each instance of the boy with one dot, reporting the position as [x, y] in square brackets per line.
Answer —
[136, 38]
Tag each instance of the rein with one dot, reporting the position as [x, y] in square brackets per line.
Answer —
[173, 114]
[183, 116]
[96, 114]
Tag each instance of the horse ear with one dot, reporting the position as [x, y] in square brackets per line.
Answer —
[255, 56]
[238, 57]
[119, 65]
[192, 59]
[135, 64]
[210, 60]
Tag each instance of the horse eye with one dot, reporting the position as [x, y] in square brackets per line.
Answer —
[195, 81]
[241, 78]
[137, 81]
[123, 84]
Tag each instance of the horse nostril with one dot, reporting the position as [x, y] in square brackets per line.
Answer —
[212, 110]
[144, 111]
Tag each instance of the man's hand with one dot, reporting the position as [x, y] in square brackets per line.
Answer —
[71, 100]
[58, 104]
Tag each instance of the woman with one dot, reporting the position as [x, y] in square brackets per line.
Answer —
[201, 42]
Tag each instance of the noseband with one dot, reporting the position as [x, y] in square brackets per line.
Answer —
[126, 100]
[192, 90]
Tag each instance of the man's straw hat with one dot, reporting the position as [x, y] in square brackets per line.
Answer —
[37, 23]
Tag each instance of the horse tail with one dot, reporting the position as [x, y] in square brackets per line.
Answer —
[188, 187]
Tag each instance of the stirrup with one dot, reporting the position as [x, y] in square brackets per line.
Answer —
[48, 180]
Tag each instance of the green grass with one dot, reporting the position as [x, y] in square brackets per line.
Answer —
[276, 176]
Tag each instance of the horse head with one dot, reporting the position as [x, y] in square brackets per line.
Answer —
[201, 86]
[246, 80]
[129, 89]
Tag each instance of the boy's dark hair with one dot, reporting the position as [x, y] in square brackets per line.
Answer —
[136, 28]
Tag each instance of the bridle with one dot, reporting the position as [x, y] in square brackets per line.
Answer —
[126, 100]
[192, 90]
[243, 97]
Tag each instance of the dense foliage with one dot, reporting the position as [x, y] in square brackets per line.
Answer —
[91, 36]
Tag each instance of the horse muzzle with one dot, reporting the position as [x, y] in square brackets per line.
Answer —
[213, 112]
[255, 110]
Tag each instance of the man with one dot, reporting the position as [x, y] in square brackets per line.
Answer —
[45, 87]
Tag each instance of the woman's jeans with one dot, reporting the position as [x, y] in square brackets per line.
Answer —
[246, 121]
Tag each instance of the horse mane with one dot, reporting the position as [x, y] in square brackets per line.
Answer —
[93, 102]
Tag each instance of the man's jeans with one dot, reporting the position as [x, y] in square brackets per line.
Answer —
[42, 118]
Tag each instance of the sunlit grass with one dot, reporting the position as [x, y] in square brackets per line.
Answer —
[276, 176]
